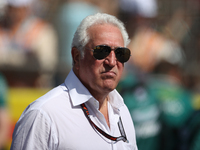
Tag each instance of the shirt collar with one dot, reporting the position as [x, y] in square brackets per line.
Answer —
[115, 99]
[79, 93]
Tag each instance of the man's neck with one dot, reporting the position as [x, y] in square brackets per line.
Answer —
[103, 108]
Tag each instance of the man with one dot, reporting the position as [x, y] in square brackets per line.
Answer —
[85, 112]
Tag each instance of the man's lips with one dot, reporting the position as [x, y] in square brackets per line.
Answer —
[109, 74]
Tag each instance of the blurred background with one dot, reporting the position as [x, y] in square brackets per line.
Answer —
[160, 84]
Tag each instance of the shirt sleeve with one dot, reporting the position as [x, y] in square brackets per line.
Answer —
[33, 131]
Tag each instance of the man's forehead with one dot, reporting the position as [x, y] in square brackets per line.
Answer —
[98, 30]
[104, 30]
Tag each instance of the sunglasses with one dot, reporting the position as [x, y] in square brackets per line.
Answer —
[102, 51]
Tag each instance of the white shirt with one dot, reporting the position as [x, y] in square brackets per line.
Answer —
[56, 121]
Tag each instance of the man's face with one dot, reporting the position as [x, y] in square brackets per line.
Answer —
[101, 76]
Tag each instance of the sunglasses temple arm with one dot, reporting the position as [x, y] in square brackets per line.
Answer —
[121, 128]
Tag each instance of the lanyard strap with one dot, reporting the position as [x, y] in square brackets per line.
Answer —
[120, 125]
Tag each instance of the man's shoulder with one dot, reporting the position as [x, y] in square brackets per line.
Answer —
[51, 100]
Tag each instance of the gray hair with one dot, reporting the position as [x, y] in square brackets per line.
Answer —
[81, 37]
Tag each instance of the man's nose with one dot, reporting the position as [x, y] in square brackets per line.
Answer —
[111, 59]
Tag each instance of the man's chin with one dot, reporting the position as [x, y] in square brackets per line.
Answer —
[109, 87]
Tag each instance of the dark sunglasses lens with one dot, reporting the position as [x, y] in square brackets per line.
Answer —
[122, 54]
[101, 52]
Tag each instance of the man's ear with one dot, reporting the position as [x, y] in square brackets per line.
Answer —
[75, 56]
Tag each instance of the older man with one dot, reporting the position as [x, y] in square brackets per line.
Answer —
[85, 112]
